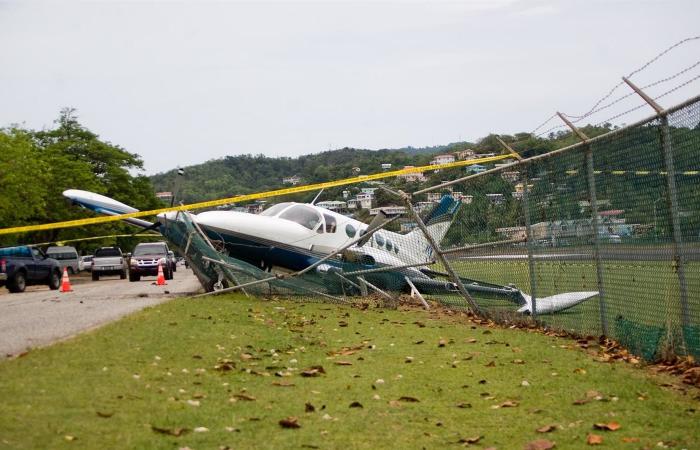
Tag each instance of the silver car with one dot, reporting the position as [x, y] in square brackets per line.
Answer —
[66, 256]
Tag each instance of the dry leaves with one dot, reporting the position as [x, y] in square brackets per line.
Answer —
[290, 422]
[539, 444]
[546, 429]
[611, 426]
[594, 439]
[313, 371]
[506, 404]
[470, 440]
[408, 399]
[244, 397]
[170, 431]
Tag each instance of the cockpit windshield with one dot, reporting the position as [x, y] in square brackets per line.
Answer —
[303, 215]
[274, 209]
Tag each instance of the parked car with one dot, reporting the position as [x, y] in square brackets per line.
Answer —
[85, 263]
[23, 266]
[145, 260]
[66, 256]
[108, 261]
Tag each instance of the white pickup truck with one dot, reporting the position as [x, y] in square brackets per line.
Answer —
[109, 261]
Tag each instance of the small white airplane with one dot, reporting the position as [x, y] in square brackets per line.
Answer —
[293, 236]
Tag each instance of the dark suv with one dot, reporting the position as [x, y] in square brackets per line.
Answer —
[145, 260]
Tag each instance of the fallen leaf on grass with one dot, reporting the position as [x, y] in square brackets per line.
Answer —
[343, 363]
[309, 408]
[580, 371]
[630, 439]
[201, 430]
[356, 405]
[594, 439]
[69, 438]
[611, 426]
[408, 399]
[290, 422]
[518, 361]
[539, 444]
[104, 415]
[546, 428]
[313, 371]
[245, 397]
[491, 364]
[506, 404]
[469, 440]
[442, 343]
[464, 405]
[225, 365]
[283, 383]
[170, 431]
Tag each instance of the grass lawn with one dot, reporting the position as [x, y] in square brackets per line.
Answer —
[390, 379]
[642, 292]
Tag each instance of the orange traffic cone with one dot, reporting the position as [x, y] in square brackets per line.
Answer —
[161, 278]
[65, 282]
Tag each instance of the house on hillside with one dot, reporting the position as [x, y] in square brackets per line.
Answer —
[390, 210]
[466, 154]
[333, 205]
[443, 159]
[416, 177]
[293, 180]
[475, 168]
[495, 199]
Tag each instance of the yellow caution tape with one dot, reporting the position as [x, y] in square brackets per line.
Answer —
[63, 241]
[248, 197]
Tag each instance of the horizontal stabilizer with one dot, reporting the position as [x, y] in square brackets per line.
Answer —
[555, 303]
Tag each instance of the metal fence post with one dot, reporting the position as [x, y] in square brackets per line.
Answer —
[528, 231]
[530, 246]
[438, 252]
[590, 176]
[678, 256]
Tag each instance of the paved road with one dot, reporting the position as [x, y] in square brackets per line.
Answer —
[40, 316]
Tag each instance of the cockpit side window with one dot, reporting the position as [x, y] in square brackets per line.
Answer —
[331, 224]
[275, 209]
[303, 215]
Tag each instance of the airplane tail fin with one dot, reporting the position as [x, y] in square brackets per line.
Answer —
[437, 221]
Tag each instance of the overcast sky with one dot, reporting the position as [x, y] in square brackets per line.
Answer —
[183, 82]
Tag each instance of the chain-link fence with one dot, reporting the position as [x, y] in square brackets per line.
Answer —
[618, 215]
